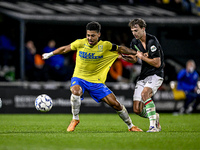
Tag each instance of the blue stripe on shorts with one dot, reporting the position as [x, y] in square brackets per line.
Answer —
[96, 90]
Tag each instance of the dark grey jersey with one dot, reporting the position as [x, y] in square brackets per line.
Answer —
[154, 50]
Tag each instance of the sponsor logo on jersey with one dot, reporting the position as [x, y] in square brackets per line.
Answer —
[87, 55]
[153, 48]
[74, 82]
[100, 48]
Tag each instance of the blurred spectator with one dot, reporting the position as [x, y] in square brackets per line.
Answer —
[127, 68]
[7, 49]
[34, 65]
[30, 52]
[123, 71]
[57, 69]
[187, 81]
[135, 71]
[195, 7]
[116, 72]
[186, 5]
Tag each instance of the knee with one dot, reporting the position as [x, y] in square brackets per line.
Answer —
[77, 93]
[76, 90]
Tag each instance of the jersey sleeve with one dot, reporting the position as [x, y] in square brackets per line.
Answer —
[114, 47]
[76, 44]
[111, 46]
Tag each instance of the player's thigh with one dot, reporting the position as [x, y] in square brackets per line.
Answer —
[112, 101]
[138, 90]
[152, 84]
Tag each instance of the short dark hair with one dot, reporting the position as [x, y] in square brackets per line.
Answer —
[93, 26]
[138, 21]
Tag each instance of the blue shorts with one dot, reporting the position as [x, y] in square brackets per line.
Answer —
[96, 90]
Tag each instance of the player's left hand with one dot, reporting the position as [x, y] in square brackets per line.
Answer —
[140, 54]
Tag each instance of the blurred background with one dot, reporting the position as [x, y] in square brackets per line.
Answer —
[30, 28]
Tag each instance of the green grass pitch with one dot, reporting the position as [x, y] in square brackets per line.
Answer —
[96, 132]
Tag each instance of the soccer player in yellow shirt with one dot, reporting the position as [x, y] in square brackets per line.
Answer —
[93, 60]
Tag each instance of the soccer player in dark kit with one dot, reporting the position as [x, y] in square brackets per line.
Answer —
[151, 77]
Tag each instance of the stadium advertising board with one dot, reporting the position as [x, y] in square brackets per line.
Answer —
[21, 100]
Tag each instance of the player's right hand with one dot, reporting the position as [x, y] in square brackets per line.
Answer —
[47, 55]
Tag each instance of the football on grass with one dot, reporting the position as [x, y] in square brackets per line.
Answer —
[43, 103]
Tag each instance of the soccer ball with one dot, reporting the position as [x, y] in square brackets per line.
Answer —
[43, 103]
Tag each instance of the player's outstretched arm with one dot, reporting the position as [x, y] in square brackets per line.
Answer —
[126, 50]
[129, 58]
[60, 50]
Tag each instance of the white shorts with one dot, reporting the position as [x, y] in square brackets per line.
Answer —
[154, 82]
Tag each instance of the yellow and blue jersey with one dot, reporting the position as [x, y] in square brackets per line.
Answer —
[93, 61]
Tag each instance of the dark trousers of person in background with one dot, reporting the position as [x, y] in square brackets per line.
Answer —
[191, 97]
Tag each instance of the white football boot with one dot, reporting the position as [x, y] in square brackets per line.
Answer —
[153, 129]
[158, 126]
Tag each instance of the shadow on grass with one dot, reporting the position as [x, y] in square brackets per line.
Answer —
[62, 132]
